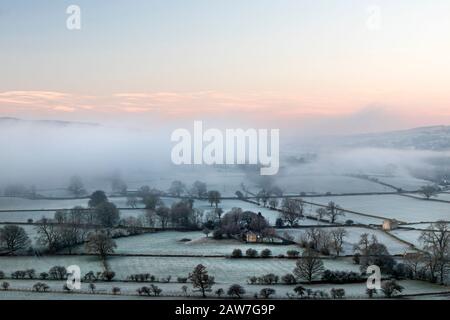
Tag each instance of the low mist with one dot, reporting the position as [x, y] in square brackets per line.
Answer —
[47, 154]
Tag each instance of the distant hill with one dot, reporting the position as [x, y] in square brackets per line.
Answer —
[423, 138]
[54, 123]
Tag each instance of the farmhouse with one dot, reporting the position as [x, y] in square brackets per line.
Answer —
[390, 224]
[252, 237]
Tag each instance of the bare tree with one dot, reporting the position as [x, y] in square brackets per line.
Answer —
[263, 196]
[219, 292]
[14, 238]
[199, 189]
[151, 201]
[436, 241]
[318, 239]
[337, 239]
[273, 203]
[363, 244]
[107, 214]
[100, 243]
[148, 218]
[429, 191]
[321, 212]
[48, 234]
[214, 197]
[292, 211]
[163, 214]
[236, 290]
[414, 262]
[390, 287]
[201, 281]
[118, 185]
[133, 224]
[69, 236]
[132, 201]
[265, 293]
[206, 231]
[96, 198]
[308, 266]
[177, 188]
[333, 210]
[76, 186]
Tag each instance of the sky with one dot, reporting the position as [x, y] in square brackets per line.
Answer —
[332, 66]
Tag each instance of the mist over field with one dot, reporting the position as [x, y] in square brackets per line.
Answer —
[47, 153]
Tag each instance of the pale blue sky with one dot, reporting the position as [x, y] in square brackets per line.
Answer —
[305, 56]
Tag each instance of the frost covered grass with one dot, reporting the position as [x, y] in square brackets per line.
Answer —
[412, 236]
[20, 203]
[31, 232]
[403, 182]
[169, 242]
[392, 206]
[323, 183]
[43, 264]
[353, 236]
[224, 269]
[128, 290]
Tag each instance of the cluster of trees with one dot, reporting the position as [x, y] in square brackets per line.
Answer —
[100, 243]
[292, 211]
[389, 288]
[332, 211]
[152, 290]
[236, 223]
[118, 185]
[267, 279]
[267, 196]
[330, 276]
[251, 253]
[180, 214]
[429, 191]
[303, 293]
[58, 273]
[433, 264]
[92, 276]
[43, 287]
[55, 273]
[146, 277]
[13, 239]
[369, 251]
[202, 282]
[69, 228]
[198, 189]
[324, 241]
[76, 186]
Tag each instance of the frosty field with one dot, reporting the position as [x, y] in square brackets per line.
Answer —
[224, 269]
[353, 235]
[181, 251]
[128, 290]
[169, 242]
[392, 206]
[405, 183]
